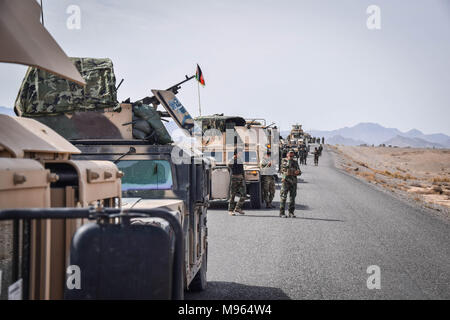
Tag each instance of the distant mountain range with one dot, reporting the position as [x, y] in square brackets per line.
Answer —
[362, 133]
[373, 133]
[338, 139]
[8, 111]
[401, 141]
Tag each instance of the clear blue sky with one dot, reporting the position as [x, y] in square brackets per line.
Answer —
[313, 62]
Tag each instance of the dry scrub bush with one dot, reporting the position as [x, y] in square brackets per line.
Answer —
[369, 176]
[362, 164]
[440, 179]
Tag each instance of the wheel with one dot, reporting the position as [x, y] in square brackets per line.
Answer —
[255, 195]
[199, 283]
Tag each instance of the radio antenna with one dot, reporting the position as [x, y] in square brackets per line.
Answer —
[42, 13]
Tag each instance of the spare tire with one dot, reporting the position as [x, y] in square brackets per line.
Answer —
[255, 195]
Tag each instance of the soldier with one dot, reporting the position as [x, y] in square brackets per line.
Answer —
[303, 155]
[268, 182]
[306, 154]
[320, 150]
[237, 184]
[316, 156]
[289, 170]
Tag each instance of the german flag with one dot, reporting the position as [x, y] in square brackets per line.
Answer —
[199, 76]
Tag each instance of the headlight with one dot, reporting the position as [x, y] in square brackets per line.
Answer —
[252, 174]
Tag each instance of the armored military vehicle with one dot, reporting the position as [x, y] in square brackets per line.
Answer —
[37, 170]
[133, 136]
[297, 140]
[47, 196]
[221, 136]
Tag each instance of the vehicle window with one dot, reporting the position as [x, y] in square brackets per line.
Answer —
[145, 175]
[216, 155]
[249, 156]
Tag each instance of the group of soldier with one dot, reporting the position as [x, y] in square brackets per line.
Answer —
[289, 169]
[303, 154]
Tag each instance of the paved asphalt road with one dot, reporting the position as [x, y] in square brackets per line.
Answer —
[343, 226]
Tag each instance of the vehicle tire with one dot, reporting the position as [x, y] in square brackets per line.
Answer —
[199, 283]
[255, 195]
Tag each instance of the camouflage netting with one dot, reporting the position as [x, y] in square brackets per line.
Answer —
[43, 93]
[220, 122]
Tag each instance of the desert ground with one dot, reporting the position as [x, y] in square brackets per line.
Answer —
[422, 175]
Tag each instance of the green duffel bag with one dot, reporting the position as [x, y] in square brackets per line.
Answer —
[149, 114]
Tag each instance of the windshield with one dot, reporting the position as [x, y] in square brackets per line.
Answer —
[249, 156]
[216, 155]
[144, 175]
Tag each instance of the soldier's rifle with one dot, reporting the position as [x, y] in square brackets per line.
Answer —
[270, 125]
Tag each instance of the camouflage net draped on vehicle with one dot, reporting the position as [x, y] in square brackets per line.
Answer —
[219, 122]
[43, 93]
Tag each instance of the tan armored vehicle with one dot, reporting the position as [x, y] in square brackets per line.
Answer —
[133, 136]
[221, 136]
[150, 246]
[296, 140]
[37, 171]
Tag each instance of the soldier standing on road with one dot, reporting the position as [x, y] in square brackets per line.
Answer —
[268, 182]
[316, 156]
[237, 184]
[289, 171]
[306, 150]
[303, 155]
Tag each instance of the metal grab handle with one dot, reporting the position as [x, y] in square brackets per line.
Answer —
[91, 213]
[46, 213]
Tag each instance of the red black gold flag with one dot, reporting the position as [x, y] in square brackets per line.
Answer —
[199, 76]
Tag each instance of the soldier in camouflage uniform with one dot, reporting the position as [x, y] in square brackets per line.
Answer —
[268, 182]
[316, 156]
[237, 185]
[303, 155]
[289, 171]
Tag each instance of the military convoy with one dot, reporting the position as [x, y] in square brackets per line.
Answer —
[98, 189]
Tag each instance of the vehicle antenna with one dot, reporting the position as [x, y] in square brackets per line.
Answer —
[42, 13]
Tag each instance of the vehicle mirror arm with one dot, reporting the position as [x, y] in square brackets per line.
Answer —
[132, 150]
